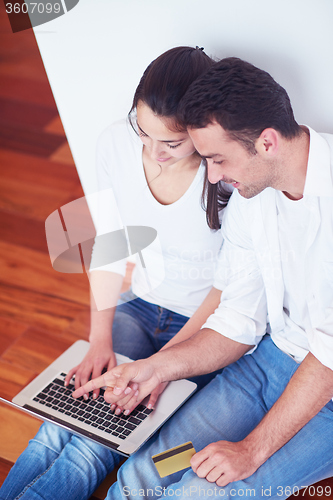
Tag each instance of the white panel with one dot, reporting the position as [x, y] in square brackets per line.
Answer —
[95, 54]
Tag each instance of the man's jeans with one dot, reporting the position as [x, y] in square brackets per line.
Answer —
[228, 408]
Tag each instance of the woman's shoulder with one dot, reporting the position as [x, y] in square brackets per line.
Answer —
[117, 135]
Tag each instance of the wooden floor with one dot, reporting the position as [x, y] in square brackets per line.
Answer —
[42, 312]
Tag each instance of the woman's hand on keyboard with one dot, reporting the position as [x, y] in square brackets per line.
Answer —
[156, 393]
[127, 384]
[99, 356]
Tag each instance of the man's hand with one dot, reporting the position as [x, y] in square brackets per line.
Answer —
[224, 462]
[119, 406]
[127, 384]
[309, 389]
[99, 356]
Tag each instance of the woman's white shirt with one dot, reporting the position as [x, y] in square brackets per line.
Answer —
[176, 270]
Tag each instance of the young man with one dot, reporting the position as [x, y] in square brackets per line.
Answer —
[264, 427]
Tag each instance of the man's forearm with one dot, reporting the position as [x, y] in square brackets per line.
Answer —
[310, 388]
[204, 352]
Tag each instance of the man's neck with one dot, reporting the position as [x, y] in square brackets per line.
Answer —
[294, 162]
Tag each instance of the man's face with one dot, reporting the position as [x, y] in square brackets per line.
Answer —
[229, 161]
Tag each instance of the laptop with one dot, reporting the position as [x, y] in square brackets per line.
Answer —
[47, 398]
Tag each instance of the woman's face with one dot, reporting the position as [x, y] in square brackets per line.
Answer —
[163, 145]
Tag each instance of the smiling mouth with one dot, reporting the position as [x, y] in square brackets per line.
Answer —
[235, 184]
[163, 159]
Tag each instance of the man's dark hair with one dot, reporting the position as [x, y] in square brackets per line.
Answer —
[244, 100]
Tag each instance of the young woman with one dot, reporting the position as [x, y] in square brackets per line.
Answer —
[157, 181]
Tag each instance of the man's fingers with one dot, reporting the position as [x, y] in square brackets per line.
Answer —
[119, 378]
[121, 384]
[223, 480]
[128, 399]
[198, 459]
[209, 470]
[213, 475]
[96, 383]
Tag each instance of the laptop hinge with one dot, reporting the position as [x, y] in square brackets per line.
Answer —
[74, 428]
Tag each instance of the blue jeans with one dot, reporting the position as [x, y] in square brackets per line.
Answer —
[229, 408]
[58, 465]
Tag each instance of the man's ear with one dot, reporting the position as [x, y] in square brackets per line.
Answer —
[268, 142]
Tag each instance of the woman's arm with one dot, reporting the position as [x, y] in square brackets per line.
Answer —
[100, 354]
[196, 321]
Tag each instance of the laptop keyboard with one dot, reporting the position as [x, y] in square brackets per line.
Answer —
[94, 412]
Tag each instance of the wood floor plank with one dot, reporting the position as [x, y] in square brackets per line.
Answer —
[26, 268]
[33, 187]
[30, 169]
[21, 89]
[13, 377]
[9, 331]
[36, 349]
[39, 309]
[28, 140]
[63, 155]
[55, 127]
[26, 67]
[30, 198]
[16, 112]
[79, 328]
[16, 430]
[19, 51]
[23, 231]
[5, 466]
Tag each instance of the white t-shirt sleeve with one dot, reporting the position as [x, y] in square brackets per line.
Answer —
[320, 335]
[242, 313]
[110, 249]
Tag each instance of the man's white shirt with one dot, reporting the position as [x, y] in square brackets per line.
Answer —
[276, 264]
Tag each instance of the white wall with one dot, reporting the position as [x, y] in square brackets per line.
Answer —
[95, 54]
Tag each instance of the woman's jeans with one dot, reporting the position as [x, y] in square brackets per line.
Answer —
[59, 465]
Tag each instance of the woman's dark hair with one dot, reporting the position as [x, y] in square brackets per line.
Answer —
[167, 78]
[214, 198]
[162, 86]
[244, 100]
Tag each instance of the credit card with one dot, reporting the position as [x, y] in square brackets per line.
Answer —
[173, 460]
